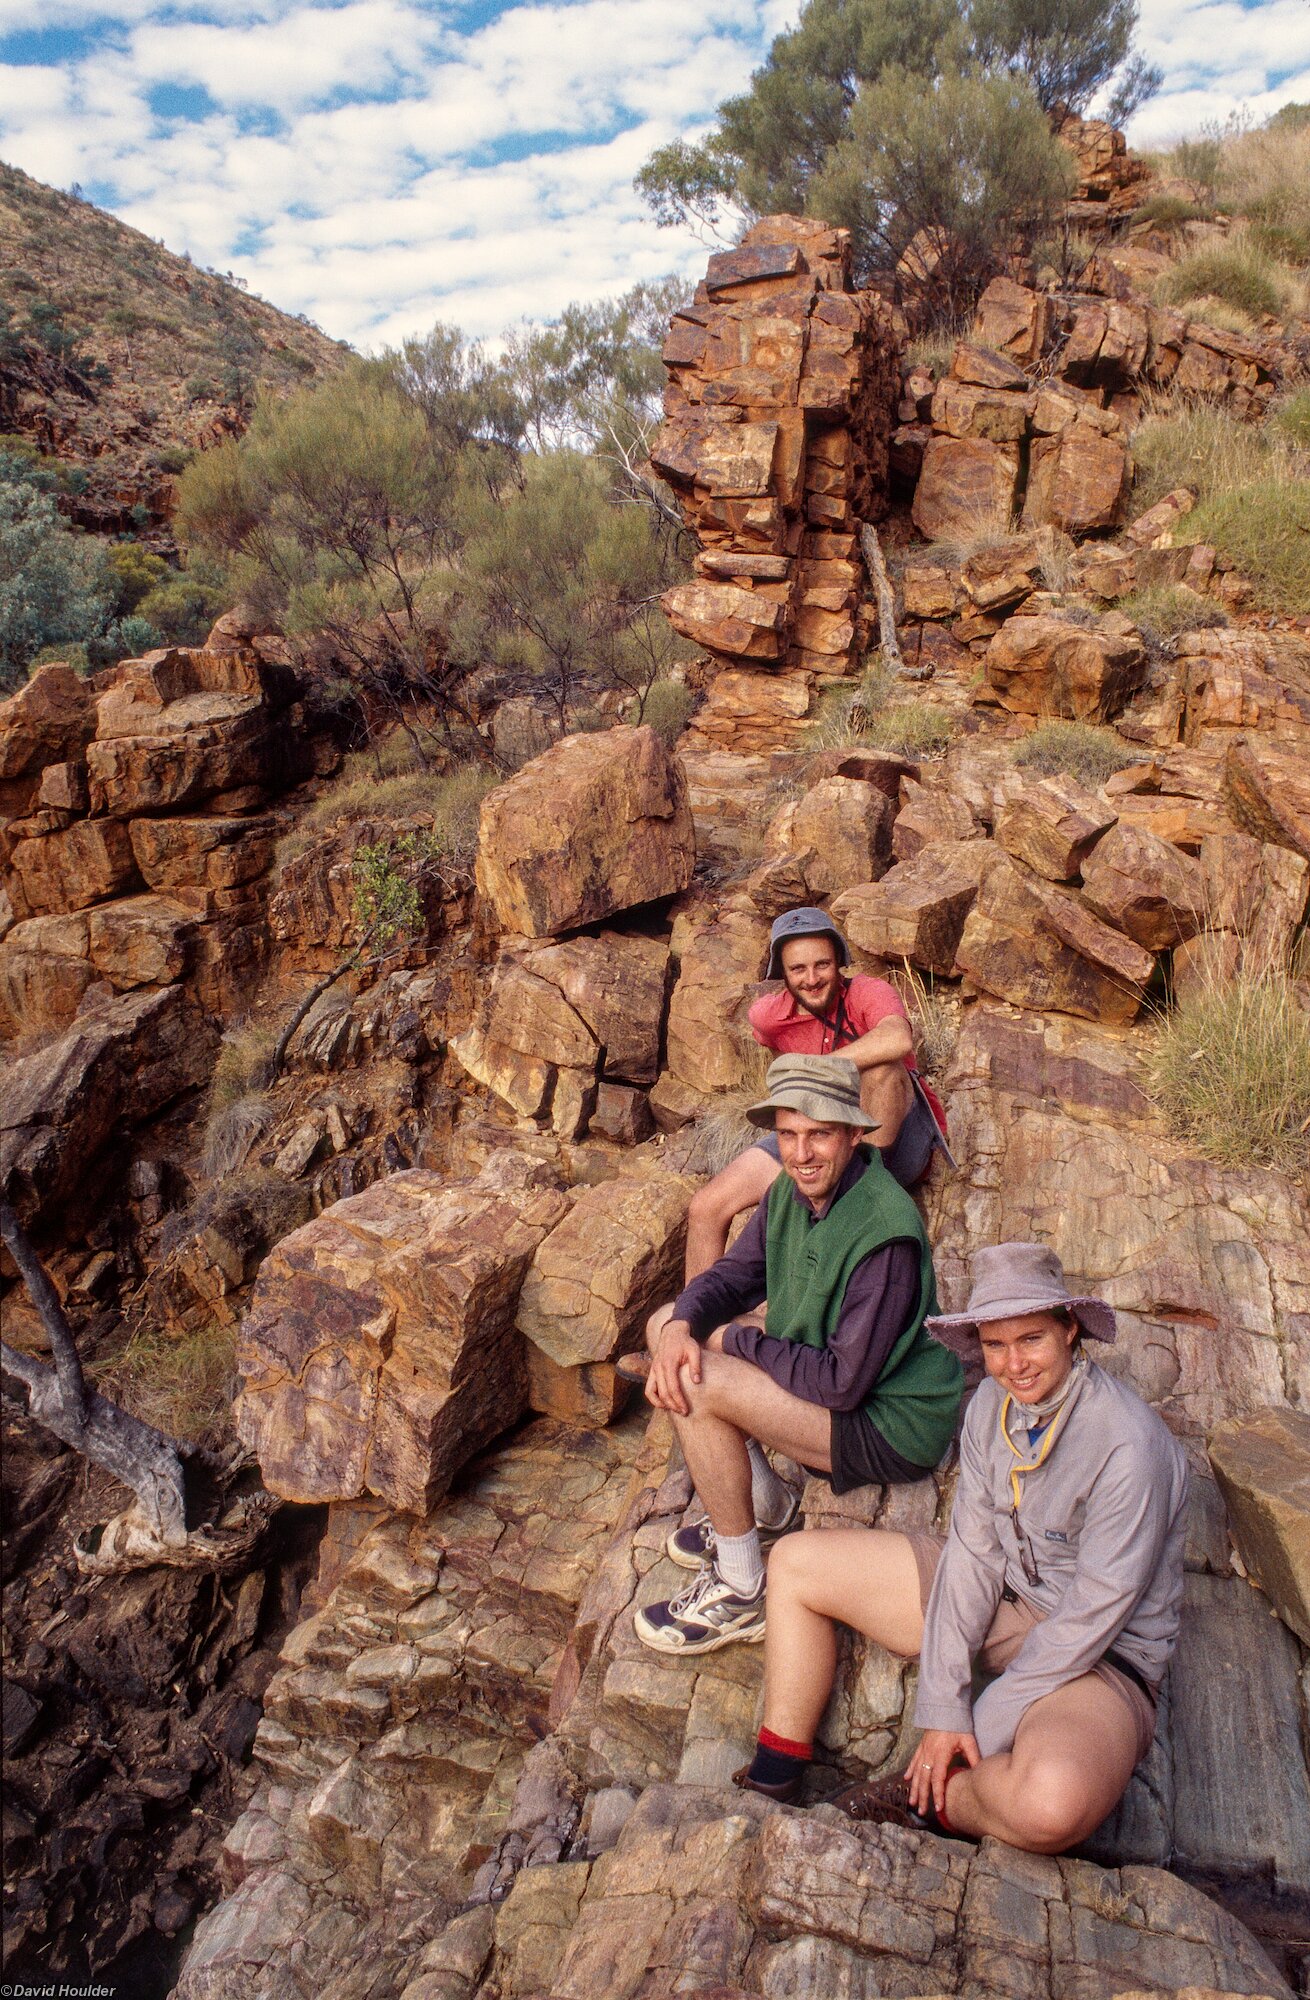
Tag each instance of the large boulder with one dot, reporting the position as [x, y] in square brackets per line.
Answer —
[178, 726]
[116, 1066]
[1053, 824]
[838, 833]
[1262, 1464]
[966, 484]
[49, 720]
[623, 801]
[1049, 666]
[617, 983]
[1039, 946]
[1146, 887]
[1078, 481]
[917, 911]
[380, 1351]
[592, 1284]
[202, 861]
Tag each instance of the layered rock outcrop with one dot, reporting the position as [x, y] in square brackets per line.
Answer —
[780, 403]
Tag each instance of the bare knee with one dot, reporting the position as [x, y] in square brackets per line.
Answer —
[791, 1567]
[1051, 1810]
[714, 1205]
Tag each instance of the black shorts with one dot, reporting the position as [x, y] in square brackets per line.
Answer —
[861, 1456]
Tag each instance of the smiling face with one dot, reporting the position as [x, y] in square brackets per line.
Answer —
[811, 973]
[814, 1155]
[1030, 1356]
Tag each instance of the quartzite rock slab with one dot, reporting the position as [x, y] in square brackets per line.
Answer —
[720, 964]
[966, 485]
[44, 971]
[1262, 1464]
[1147, 888]
[1053, 825]
[141, 940]
[1268, 791]
[617, 983]
[1028, 941]
[1046, 666]
[604, 1268]
[48, 721]
[380, 1353]
[918, 910]
[726, 618]
[87, 863]
[623, 801]
[117, 1065]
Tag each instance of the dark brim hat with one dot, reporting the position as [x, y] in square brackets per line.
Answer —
[805, 922]
[1009, 1281]
[824, 1088]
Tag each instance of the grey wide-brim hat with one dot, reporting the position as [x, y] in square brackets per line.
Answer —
[805, 922]
[825, 1088]
[1009, 1280]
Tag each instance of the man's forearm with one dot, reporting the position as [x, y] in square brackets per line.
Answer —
[890, 1042]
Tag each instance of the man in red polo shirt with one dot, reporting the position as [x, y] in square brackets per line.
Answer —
[821, 1011]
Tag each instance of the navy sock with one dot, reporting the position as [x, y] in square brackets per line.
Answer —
[775, 1765]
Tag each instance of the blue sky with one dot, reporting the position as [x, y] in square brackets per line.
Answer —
[380, 164]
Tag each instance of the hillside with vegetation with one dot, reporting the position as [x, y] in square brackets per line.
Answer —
[374, 982]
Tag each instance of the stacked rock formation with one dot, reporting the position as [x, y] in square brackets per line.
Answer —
[781, 397]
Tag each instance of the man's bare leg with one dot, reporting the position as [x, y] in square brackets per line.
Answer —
[1072, 1758]
[734, 1400]
[710, 1213]
[886, 1094]
[867, 1578]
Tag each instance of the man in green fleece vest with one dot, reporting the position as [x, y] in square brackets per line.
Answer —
[837, 1370]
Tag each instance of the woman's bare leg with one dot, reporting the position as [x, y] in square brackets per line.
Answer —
[1072, 1758]
[864, 1577]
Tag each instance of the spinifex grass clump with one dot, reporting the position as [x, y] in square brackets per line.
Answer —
[1076, 750]
[182, 1384]
[1231, 1071]
[864, 716]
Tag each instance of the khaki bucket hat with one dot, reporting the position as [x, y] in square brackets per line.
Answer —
[1009, 1280]
[825, 1088]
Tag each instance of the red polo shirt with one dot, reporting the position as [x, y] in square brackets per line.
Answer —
[791, 1030]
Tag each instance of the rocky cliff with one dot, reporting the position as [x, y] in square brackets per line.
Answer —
[469, 1777]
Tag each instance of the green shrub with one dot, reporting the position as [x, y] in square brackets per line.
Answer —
[1238, 274]
[1231, 1071]
[1292, 417]
[1170, 211]
[1264, 529]
[667, 708]
[1198, 159]
[1077, 750]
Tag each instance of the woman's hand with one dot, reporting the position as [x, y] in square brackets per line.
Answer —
[931, 1763]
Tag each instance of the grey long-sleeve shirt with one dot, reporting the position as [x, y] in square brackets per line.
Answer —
[1105, 1522]
[880, 1299]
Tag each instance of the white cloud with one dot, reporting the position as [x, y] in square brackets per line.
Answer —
[374, 165]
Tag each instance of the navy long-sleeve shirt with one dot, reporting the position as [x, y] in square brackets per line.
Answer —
[880, 1299]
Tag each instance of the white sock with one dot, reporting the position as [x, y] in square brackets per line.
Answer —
[770, 1496]
[739, 1562]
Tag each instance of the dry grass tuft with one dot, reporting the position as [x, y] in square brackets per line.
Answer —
[182, 1385]
[239, 1072]
[1165, 610]
[452, 798]
[934, 1018]
[1231, 1071]
[1237, 273]
[1077, 750]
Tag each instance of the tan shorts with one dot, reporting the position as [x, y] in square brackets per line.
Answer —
[1011, 1626]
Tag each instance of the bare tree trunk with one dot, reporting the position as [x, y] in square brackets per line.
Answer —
[273, 1067]
[135, 1453]
[878, 577]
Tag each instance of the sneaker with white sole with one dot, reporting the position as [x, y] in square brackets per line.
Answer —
[706, 1614]
[692, 1546]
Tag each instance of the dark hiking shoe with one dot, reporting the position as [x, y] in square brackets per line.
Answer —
[786, 1793]
[885, 1802]
[693, 1545]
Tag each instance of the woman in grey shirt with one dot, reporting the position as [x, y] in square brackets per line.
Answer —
[1061, 1576]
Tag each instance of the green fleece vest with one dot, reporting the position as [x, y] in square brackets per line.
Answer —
[916, 1398]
